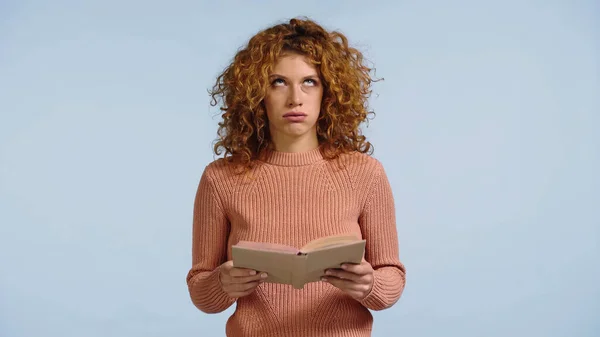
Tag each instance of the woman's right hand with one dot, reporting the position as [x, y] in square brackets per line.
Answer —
[239, 282]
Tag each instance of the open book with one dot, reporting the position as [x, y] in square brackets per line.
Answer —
[289, 265]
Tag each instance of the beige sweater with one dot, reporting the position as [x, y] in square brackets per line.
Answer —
[292, 198]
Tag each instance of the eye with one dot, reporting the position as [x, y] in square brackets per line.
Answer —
[277, 82]
[311, 81]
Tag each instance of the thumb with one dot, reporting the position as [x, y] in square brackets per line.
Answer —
[227, 266]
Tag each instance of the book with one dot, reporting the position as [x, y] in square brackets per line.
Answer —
[297, 267]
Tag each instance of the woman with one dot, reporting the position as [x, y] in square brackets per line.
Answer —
[296, 168]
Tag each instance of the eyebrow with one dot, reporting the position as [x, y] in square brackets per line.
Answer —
[305, 77]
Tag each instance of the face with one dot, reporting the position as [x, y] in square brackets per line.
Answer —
[293, 100]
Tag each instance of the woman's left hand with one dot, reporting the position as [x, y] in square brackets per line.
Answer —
[355, 280]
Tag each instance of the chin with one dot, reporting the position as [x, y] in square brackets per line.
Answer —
[296, 130]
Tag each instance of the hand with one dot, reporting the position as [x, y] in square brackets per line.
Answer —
[239, 282]
[355, 280]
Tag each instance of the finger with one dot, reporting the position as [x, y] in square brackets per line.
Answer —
[342, 274]
[228, 269]
[348, 286]
[239, 272]
[363, 268]
[359, 295]
[241, 287]
[340, 283]
[246, 279]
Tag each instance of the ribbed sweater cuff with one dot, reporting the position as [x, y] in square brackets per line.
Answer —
[385, 292]
[207, 293]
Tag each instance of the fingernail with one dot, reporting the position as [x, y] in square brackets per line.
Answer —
[323, 279]
[263, 275]
[252, 272]
[344, 266]
[328, 272]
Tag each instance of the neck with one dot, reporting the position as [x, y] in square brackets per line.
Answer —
[303, 143]
[301, 158]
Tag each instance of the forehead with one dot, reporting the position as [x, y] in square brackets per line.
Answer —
[292, 64]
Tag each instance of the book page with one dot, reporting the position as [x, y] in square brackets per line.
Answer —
[319, 260]
[265, 246]
[328, 242]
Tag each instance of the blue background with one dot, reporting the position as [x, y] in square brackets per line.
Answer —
[487, 124]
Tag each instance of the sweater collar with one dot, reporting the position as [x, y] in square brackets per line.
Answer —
[294, 158]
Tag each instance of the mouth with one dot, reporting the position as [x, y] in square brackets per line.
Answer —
[294, 114]
[295, 117]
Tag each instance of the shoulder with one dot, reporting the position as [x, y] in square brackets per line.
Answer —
[217, 167]
[360, 163]
[361, 169]
[220, 172]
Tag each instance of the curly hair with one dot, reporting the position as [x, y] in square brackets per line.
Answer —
[243, 133]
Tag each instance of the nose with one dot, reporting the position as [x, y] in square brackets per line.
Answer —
[295, 96]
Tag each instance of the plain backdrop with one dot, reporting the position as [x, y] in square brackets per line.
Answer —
[487, 123]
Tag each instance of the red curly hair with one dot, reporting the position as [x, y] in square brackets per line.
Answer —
[244, 131]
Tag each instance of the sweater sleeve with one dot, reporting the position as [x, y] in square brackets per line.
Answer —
[378, 226]
[209, 249]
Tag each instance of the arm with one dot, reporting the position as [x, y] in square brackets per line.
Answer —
[209, 249]
[378, 226]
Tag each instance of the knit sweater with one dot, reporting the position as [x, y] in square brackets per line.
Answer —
[291, 199]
